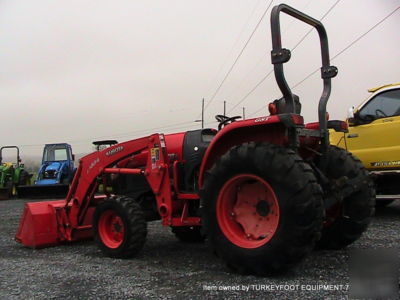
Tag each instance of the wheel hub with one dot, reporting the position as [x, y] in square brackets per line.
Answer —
[111, 229]
[262, 208]
[117, 225]
[248, 211]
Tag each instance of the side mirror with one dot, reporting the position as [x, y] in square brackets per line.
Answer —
[73, 157]
[351, 116]
[350, 113]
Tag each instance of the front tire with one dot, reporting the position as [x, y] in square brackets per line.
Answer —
[120, 227]
[262, 208]
[347, 220]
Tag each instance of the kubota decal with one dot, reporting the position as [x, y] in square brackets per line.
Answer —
[115, 150]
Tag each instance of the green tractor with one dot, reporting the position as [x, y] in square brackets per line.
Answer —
[11, 175]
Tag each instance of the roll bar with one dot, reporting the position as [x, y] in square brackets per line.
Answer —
[10, 147]
[280, 55]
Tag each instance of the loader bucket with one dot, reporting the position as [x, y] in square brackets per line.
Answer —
[5, 193]
[38, 225]
[49, 191]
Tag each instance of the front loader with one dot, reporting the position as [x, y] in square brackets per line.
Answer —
[54, 175]
[263, 191]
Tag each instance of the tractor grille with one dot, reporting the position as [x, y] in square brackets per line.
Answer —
[51, 174]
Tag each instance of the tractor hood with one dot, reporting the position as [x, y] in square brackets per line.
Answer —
[51, 172]
[54, 166]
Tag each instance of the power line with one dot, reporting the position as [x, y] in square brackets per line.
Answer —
[258, 63]
[252, 90]
[238, 56]
[294, 47]
[119, 135]
[364, 34]
[170, 127]
[348, 46]
[312, 28]
[340, 52]
[237, 40]
[184, 123]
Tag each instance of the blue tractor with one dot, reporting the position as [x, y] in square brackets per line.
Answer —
[55, 173]
[57, 165]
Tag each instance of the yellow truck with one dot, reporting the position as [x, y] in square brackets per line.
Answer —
[374, 137]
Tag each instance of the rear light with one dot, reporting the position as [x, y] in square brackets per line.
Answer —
[272, 108]
[344, 126]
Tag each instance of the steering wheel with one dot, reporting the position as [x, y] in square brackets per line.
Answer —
[224, 120]
[378, 111]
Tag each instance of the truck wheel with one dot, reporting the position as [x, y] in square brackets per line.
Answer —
[189, 234]
[120, 227]
[262, 208]
[346, 222]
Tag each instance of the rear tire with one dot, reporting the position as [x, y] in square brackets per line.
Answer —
[120, 227]
[189, 234]
[262, 208]
[346, 222]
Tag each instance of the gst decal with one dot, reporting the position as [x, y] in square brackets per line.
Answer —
[263, 119]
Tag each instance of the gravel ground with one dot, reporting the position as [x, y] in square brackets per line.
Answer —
[167, 268]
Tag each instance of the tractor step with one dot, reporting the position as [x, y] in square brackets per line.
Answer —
[43, 191]
[387, 197]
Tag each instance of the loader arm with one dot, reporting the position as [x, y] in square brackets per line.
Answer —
[48, 223]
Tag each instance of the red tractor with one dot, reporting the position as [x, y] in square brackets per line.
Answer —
[264, 191]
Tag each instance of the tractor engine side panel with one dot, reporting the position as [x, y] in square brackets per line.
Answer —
[195, 145]
[174, 143]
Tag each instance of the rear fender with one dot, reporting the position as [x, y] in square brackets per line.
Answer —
[264, 129]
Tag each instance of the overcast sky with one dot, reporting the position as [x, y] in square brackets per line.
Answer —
[78, 71]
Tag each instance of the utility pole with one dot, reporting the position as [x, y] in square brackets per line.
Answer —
[224, 108]
[244, 113]
[202, 113]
